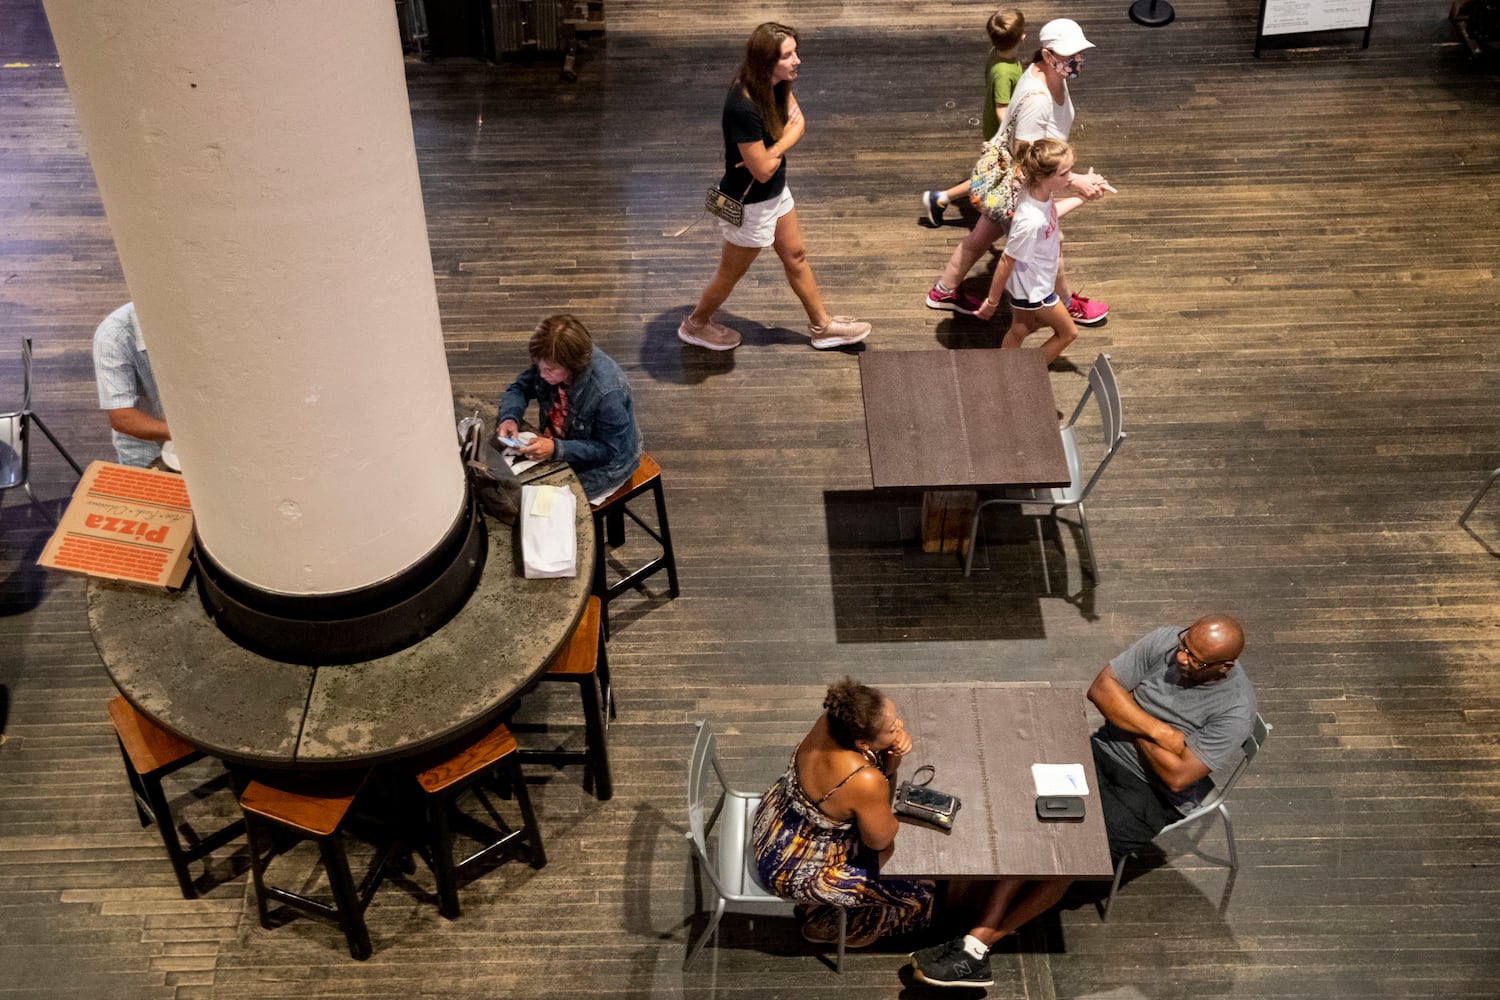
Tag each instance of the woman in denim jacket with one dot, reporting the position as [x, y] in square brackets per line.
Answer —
[584, 413]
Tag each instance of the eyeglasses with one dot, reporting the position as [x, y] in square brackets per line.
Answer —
[1192, 658]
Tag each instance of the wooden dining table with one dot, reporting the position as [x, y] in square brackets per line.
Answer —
[175, 665]
[953, 422]
[981, 740]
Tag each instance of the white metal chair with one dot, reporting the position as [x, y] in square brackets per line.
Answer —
[728, 816]
[1213, 803]
[1103, 389]
[1462, 518]
[15, 439]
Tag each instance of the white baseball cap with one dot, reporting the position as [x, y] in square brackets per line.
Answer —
[1064, 37]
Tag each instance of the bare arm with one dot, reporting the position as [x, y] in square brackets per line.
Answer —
[1118, 707]
[868, 793]
[1176, 770]
[138, 424]
[997, 286]
[1161, 746]
[763, 161]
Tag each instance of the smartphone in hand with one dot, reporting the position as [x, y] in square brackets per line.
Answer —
[512, 442]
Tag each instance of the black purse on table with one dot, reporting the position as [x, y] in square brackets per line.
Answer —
[919, 800]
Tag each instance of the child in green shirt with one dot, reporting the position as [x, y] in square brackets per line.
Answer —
[1006, 28]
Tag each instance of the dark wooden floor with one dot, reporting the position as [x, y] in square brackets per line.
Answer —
[1301, 267]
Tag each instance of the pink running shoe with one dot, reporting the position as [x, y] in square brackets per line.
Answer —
[1085, 311]
[958, 301]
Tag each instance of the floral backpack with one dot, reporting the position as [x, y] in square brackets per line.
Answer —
[995, 186]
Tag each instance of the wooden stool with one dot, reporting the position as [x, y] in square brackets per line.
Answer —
[151, 753]
[444, 782]
[583, 661]
[612, 513]
[312, 808]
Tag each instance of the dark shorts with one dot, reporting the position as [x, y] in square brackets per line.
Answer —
[1133, 813]
[1027, 304]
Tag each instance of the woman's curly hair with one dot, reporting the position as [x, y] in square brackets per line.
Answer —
[854, 712]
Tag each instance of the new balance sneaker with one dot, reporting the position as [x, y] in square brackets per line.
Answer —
[949, 965]
[958, 301]
[933, 207]
[1085, 311]
[711, 335]
[840, 331]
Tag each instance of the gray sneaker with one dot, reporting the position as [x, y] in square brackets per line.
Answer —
[840, 331]
[711, 335]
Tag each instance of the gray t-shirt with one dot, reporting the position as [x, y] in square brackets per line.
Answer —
[1215, 718]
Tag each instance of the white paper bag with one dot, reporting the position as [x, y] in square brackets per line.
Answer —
[549, 535]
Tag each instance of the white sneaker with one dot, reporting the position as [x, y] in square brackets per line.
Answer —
[711, 335]
[840, 331]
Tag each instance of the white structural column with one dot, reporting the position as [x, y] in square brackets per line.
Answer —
[257, 168]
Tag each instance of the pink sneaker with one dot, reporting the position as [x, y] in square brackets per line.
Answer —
[958, 301]
[711, 335]
[1085, 311]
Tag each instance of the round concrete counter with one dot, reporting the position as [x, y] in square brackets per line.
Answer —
[175, 665]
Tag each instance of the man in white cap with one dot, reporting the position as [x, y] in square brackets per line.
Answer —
[1059, 60]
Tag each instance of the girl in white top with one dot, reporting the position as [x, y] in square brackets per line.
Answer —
[1031, 265]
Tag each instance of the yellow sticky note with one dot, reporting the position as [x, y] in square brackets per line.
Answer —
[541, 501]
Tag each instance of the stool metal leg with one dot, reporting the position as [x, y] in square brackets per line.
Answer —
[614, 526]
[594, 734]
[528, 813]
[443, 868]
[351, 911]
[668, 555]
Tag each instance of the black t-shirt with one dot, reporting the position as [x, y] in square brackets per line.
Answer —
[742, 123]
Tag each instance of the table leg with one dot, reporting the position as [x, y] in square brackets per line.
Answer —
[947, 516]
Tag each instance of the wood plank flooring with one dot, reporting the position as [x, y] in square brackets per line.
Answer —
[1301, 270]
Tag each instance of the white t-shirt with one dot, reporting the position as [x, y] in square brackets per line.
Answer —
[1038, 117]
[1035, 244]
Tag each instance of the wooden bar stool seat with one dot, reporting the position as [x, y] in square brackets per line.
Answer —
[611, 514]
[583, 661]
[312, 807]
[493, 752]
[151, 753]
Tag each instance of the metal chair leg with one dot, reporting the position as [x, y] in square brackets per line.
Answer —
[1088, 542]
[838, 965]
[58, 444]
[1234, 858]
[1114, 887]
[1462, 518]
[708, 932]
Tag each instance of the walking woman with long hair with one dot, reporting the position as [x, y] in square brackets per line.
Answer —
[761, 122]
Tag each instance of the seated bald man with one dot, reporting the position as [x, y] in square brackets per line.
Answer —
[1177, 707]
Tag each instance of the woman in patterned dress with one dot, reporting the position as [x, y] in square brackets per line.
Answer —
[824, 826]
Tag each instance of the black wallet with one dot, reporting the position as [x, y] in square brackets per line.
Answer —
[1059, 807]
[917, 800]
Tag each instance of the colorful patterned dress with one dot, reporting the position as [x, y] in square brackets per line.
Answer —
[802, 854]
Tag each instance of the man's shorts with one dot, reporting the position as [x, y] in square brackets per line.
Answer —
[759, 227]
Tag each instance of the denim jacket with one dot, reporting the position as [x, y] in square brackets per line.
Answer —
[599, 439]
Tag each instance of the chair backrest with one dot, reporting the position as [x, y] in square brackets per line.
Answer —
[25, 374]
[1106, 393]
[25, 382]
[13, 459]
[1251, 747]
[703, 800]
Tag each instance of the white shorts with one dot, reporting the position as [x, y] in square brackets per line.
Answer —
[759, 227]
